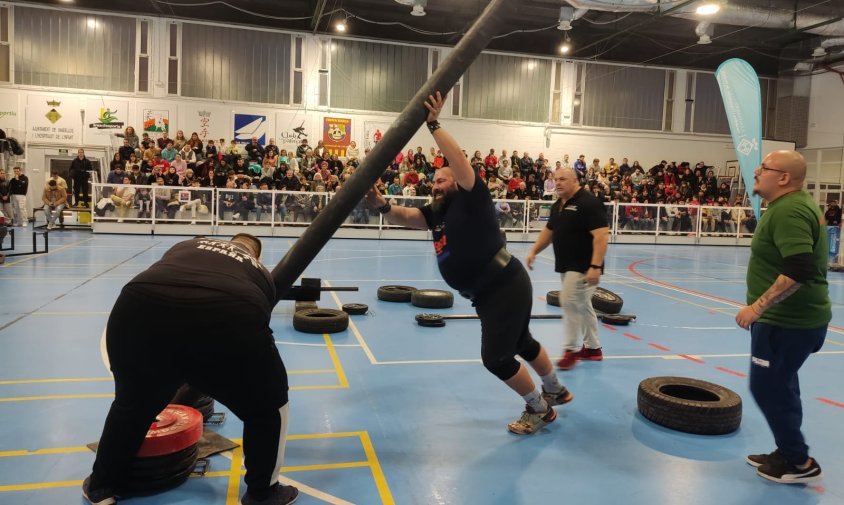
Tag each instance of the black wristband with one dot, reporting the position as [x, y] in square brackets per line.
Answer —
[599, 267]
[385, 208]
[434, 126]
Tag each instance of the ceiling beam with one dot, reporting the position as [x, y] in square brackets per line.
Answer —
[318, 10]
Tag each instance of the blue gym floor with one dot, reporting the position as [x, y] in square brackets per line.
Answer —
[389, 412]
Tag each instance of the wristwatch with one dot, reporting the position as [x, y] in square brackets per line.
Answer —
[385, 208]
[599, 267]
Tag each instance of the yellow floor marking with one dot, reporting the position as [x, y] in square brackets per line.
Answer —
[335, 360]
[233, 492]
[300, 372]
[41, 485]
[377, 473]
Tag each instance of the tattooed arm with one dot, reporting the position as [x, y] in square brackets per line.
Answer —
[782, 288]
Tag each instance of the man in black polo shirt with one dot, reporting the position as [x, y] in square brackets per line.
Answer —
[472, 259]
[578, 228]
[214, 300]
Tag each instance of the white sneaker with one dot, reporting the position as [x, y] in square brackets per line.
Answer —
[50, 226]
[182, 208]
[119, 220]
[236, 217]
[193, 222]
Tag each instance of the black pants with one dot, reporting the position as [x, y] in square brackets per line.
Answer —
[79, 189]
[504, 310]
[223, 349]
[777, 355]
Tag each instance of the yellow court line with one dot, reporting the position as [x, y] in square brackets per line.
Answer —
[39, 381]
[341, 375]
[233, 491]
[40, 485]
[299, 372]
[41, 452]
[55, 397]
[377, 473]
[7, 265]
[326, 466]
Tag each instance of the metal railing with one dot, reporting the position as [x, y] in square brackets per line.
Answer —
[167, 205]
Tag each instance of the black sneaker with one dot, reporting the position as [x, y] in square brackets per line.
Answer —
[97, 496]
[785, 473]
[279, 495]
[757, 460]
[554, 399]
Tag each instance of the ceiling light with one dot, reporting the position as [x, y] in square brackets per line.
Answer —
[565, 47]
[91, 22]
[803, 67]
[67, 1]
[819, 52]
[708, 8]
[340, 26]
[704, 39]
[565, 19]
[405, 2]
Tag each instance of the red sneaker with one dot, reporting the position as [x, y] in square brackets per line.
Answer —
[568, 360]
[587, 354]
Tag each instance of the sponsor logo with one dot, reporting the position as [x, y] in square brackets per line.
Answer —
[108, 120]
[53, 115]
[760, 362]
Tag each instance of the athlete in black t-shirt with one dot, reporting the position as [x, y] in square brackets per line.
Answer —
[211, 300]
[578, 229]
[472, 259]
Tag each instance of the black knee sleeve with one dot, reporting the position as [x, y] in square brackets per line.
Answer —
[503, 367]
[530, 348]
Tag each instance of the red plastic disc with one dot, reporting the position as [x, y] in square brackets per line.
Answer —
[177, 427]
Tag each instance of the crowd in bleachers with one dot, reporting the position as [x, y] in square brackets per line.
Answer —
[680, 188]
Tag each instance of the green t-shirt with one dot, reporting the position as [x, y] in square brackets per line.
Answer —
[791, 225]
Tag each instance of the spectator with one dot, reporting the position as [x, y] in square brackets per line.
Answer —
[116, 175]
[125, 150]
[169, 152]
[833, 214]
[180, 140]
[54, 199]
[18, 187]
[123, 198]
[6, 197]
[254, 150]
[163, 140]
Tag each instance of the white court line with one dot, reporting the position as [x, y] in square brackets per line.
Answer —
[104, 353]
[354, 330]
[372, 257]
[690, 327]
[316, 493]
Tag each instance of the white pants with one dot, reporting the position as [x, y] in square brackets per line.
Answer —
[21, 216]
[579, 319]
[192, 205]
[53, 214]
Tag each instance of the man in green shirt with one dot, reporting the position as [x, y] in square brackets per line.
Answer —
[787, 311]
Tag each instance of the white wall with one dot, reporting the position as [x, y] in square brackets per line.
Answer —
[21, 107]
[826, 111]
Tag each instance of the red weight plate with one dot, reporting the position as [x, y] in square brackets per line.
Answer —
[175, 428]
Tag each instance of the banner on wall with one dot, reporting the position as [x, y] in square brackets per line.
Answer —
[54, 119]
[336, 134]
[292, 128]
[374, 131]
[9, 111]
[104, 118]
[247, 126]
[156, 121]
[209, 122]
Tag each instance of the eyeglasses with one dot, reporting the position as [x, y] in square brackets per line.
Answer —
[763, 167]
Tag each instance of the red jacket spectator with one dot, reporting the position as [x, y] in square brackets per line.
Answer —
[491, 161]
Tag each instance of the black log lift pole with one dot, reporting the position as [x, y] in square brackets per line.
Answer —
[329, 220]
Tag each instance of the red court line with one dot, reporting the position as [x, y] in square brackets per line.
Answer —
[632, 268]
[696, 360]
[830, 402]
[634, 337]
[609, 327]
[733, 372]
[657, 346]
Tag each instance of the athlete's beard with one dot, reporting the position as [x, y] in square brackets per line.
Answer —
[440, 205]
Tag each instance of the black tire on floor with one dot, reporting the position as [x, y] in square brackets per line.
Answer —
[145, 486]
[189, 396]
[617, 319]
[355, 309]
[689, 405]
[304, 305]
[432, 298]
[606, 301]
[320, 321]
[206, 409]
[392, 293]
[553, 298]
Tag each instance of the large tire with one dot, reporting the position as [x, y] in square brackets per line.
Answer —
[320, 321]
[606, 301]
[689, 405]
[432, 298]
[553, 298]
[400, 294]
